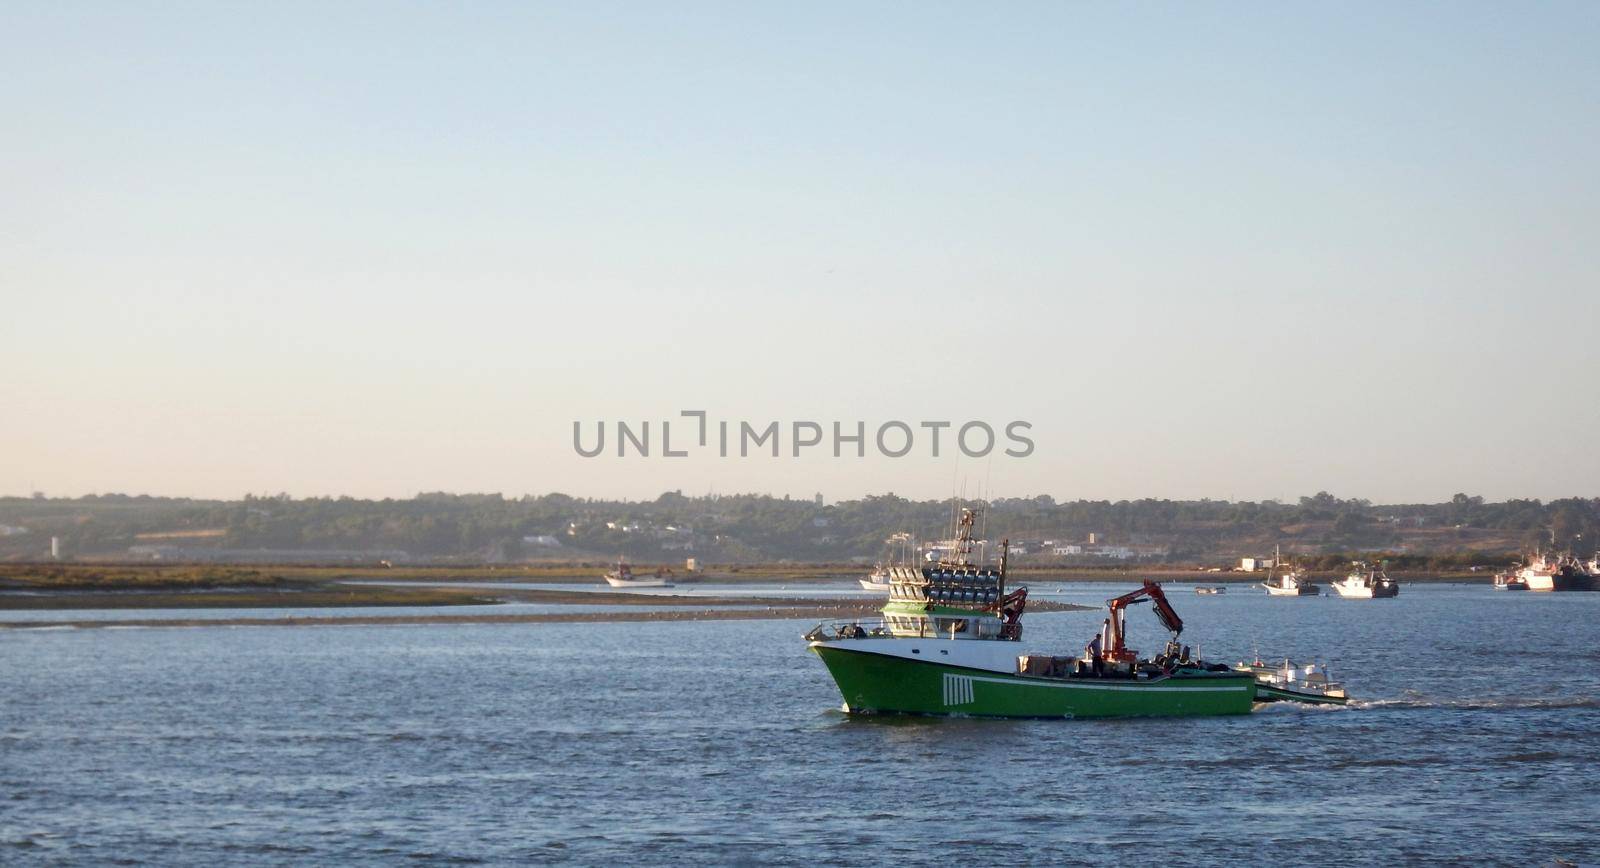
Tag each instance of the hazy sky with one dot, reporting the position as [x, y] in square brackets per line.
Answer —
[1225, 250]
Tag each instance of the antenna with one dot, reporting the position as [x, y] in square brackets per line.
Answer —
[988, 469]
[983, 530]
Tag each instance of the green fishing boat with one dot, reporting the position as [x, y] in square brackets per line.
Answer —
[950, 643]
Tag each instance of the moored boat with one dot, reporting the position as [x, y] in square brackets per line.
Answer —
[949, 643]
[1208, 589]
[623, 577]
[1558, 572]
[897, 557]
[1367, 581]
[877, 580]
[1289, 580]
[1509, 581]
[881, 578]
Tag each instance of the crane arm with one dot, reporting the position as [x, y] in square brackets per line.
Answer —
[1116, 647]
[1158, 599]
[1164, 611]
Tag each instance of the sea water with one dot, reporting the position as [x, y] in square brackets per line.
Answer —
[1474, 737]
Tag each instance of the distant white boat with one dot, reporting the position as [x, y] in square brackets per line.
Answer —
[897, 554]
[623, 577]
[1291, 582]
[1547, 571]
[882, 577]
[1367, 582]
[1509, 582]
[877, 580]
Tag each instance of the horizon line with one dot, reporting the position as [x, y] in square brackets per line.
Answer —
[421, 495]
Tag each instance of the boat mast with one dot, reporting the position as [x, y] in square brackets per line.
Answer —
[963, 553]
[1005, 553]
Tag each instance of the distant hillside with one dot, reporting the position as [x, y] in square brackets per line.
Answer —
[758, 528]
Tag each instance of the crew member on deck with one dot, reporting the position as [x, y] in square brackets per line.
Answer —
[1093, 653]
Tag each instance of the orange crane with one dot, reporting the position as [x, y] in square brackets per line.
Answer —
[1114, 647]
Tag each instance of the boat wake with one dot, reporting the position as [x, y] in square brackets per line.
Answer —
[1251, 761]
[1388, 763]
[1509, 703]
[1291, 707]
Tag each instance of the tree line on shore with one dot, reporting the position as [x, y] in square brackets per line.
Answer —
[1464, 530]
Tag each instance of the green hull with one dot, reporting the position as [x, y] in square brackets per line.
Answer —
[882, 683]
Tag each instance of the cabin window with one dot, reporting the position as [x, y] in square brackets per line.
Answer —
[906, 624]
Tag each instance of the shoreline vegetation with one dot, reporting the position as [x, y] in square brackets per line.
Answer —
[291, 578]
[1321, 531]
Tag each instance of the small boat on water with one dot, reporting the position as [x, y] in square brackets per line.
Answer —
[623, 577]
[897, 557]
[1211, 589]
[1289, 580]
[1294, 683]
[949, 643]
[1367, 582]
[1509, 581]
[877, 580]
[881, 577]
[1553, 572]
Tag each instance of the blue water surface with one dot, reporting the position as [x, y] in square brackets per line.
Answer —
[1475, 739]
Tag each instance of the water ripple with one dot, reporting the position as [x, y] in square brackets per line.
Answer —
[724, 743]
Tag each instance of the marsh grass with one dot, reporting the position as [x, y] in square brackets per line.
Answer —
[96, 586]
[301, 597]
